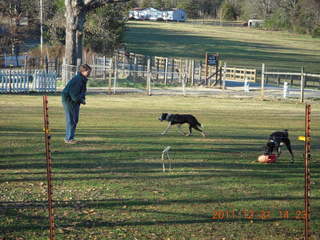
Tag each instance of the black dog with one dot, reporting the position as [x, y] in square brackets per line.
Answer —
[181, 119]
[276, 140]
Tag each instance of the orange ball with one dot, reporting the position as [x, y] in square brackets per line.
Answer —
[267, 158]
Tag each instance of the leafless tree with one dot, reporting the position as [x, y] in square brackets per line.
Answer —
[76, 11]
[11, 12]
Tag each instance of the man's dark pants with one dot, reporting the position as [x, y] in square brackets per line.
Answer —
[72, 117]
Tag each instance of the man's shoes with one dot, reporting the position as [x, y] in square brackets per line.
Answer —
[72, 141]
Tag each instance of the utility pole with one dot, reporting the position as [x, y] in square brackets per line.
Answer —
[41, 26]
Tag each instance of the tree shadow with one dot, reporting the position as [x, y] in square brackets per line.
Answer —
[230, 51]
[40, 222]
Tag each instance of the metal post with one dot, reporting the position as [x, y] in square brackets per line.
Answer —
[246, 85]
[307, 177]
[302, 85]
[285, 90]
[49, 167]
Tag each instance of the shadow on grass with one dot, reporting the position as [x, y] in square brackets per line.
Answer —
[119, 170]
[232, 51]
[39, 222]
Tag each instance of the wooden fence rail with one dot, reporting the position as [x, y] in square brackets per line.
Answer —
[294, 78]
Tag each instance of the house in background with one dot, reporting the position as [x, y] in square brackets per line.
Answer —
[137, 14]
[255, 23]
[176, 14]
[153, 14]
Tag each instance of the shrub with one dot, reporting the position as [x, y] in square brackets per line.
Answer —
[316, 32]
[278, 20]
[228, 12]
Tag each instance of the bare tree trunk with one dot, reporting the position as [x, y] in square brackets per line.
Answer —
[75, 14]
[75, 19]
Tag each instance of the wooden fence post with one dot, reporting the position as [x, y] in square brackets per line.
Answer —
[157, 68]
[180, 69]
[207, 69]
[192, 72]
[10, 78]
[302, 85]
[224, 76]
[165, 71]
[220, 76]
[115, 74]
[200, 72]
[135, 68]
[110, 75]
[64, 71]
[149, 77]
[183, 79]
[172, 70]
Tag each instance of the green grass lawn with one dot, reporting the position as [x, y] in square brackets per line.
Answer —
[111, 185]
[238, 46]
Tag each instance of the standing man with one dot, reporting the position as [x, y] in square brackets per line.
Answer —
[73, 95]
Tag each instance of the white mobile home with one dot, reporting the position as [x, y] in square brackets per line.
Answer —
[154, 14]
[176, 14]
[137, 14]
[255, 23]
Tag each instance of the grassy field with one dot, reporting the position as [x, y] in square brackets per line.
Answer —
[238, 46]
[111, 185]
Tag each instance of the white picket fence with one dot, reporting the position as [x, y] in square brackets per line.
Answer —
[13, 81]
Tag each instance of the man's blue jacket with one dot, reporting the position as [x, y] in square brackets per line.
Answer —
[75, 90]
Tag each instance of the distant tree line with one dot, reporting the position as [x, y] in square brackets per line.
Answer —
[301, 16]
[104, 24]
[102, 30]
